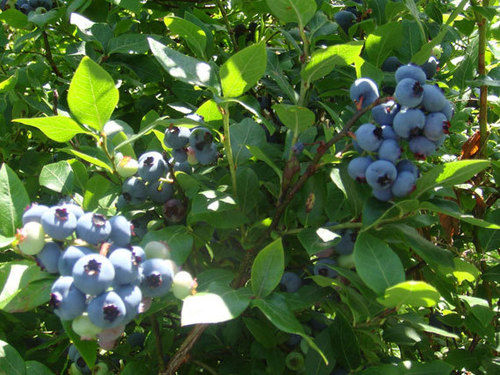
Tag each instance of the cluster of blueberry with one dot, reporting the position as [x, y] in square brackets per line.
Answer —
[104, 280]
[27, 6]
[347, 17]
[190, 146]
[420, 115]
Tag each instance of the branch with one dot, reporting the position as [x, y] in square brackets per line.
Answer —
[228, 25]
[48, 55]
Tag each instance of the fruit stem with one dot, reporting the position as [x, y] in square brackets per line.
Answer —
[224, 110]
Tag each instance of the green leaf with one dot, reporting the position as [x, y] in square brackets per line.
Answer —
[345, 344]
[314, 364]
[87, 348]
[243, 70]
[88, 158]
[277, 311]
[323, 61]
[37, 368]
[274, 70]
[58, 177]
[92, 95]
[179, 240]
[129, 44]
[413, 39]
[194, 36]
[267, 268]
[465, 271]
[14, 18]
[294, 117]
[184, 68]
[317, 239]
[451, 208]
[97, 188]
[41, 19]
[80, 173]
[259, 154]
[11, 362]
[449, 174]
[479, 308]
[412, 293]
[383, 41]
[490, 238]
[299, 11]
[261, 331]
[248, 189]
[245, 133]
[58, 128]
[13, 201]
[221, 303]
[377, 265]
[8, 84]
[437, 367]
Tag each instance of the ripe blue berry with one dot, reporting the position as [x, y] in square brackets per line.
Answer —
[369, 137]
[364, 92]
[345, 19]
[448, 110]
[346, 244]
[179, 155]
[383, 114]
[139, 254]
[207, 155]
[183, 167]
[200, 137]
[74, 209]
[73, 353]
[404, 184]
[58, 223]
[160, 191]
[157, 276]
[290, 282]
[410, 71]
[421, 147]
[131, 296]
[176, 137]
[388, 132]
[321, 267]
[107, 310]
[381, 174]
[391, 64]
[69, 257]
[34, 213]
[152, 166]
[389, 150]
[436, 126]
[93, 228]
[382, 195]
[434, 99]
[134, 190]
[357, 168]
[409, 93]
[48, 258]
[121, 230]
[407, 166]
[409, 122]
[126, 266]
[430, 67]
[93, 274]
[67, 301]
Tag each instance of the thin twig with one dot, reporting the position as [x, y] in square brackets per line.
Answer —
[228, 25]
[48, 55]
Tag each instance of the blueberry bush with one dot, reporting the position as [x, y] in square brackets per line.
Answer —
[249, 187]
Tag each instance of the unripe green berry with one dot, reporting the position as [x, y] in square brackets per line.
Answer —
[183, 285]
[85, 328]
[346, 261]
[73, 370]
[31, 238]
[157, 249]
[127, 167]
[191, 157]
[101, 369]
[294, 361]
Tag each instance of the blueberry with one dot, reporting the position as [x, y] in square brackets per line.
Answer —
[410, 71]
[422, 147]
[174, 211]
[448, 110]
[364, 91]
[74, 209]
[388, 132]
[183, 167]
[369, 137]
[160, 191]
[34, 213]
[121, 230]
[381, 174]
[58, 223]
[176, 137]
[139, 254]
[389, 150]
[131, 296]
[383, 114]
[127, 166]
[345, 19]
[409, 93]
[93, 274]
[409, 122]
[346, 244]
[179, 155]
[404, 184]
[200, 137]
[321, 268]
[126, 266]
[67, 301]
[339, 371]
[31, 238]
[357, 168]
[157, 249]
[73, 353]
[295, 361]
[391, 64]
[293, 340]
[290, 282]
[69, 257]
[157, 276]
[134, 190]
[48, 258]
[107, 310]
[434, 99]
[136, 339]
[382, 195]
[297, 148]
[436, 126]
[430, 67]
[152, 166]
[183, 285]
[93, 228]
[207, 155]
[407, 166]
